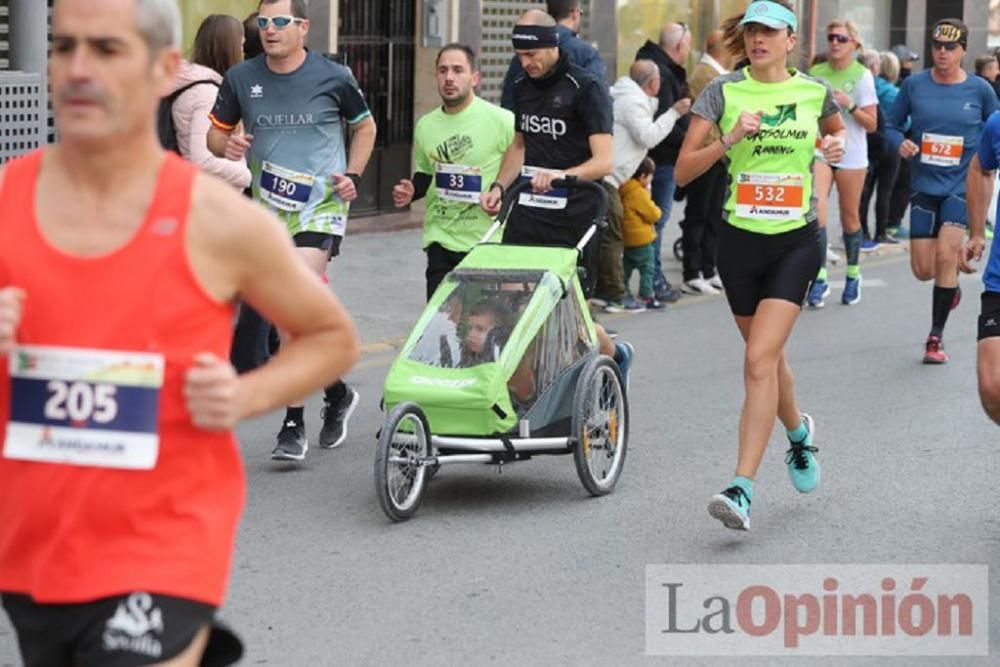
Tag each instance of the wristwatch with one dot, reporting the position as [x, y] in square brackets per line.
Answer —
[356, 178]
[854, 107]
[498, 184]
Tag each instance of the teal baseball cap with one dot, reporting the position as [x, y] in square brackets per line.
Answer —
[771, 14]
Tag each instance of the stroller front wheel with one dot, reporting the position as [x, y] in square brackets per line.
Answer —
[401, 475]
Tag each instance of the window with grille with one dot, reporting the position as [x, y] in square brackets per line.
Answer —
[4, 34]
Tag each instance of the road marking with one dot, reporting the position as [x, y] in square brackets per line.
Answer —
[866, 283]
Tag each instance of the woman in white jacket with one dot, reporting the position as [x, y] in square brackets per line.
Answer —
[217, 47]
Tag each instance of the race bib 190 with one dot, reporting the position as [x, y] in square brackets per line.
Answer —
[456, 182]
[84, 407]
[285, 189]
[941, 150]
[551, 199]
[769, 196]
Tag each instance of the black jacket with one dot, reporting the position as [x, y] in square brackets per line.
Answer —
[673, 86]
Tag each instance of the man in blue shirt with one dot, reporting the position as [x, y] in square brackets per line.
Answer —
[982, 173]
[948, 108]
[569, 17]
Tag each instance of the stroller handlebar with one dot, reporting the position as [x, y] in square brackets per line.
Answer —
[568, 183]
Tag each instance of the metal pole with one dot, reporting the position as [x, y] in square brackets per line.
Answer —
[29, 46]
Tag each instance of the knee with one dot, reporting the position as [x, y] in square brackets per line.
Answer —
[989, 392]
[923, 271]
[760, 365]
[946, 259]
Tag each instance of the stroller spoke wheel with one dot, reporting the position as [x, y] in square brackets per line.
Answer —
[400, 476]
[600, 424]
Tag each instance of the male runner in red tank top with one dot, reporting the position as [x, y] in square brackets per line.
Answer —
[120, 480]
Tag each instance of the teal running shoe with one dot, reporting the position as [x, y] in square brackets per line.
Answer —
[732, 508]
[803, 469]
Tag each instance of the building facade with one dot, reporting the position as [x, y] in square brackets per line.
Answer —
[391, 45]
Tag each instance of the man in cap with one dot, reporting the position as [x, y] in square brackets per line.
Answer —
[906, 60]
[948, 135]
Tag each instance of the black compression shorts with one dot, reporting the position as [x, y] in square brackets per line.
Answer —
[754, 267]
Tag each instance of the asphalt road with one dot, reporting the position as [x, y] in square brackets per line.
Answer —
[525, 568]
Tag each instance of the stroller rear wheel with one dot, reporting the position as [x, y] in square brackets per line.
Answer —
[600, 426]
[679, 250]
[400, 473]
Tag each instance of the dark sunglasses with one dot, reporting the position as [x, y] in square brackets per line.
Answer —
[279, 22]
[840, 39]
[947, 46]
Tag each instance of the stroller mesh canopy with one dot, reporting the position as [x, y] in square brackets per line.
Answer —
[478, 313]
[476, 319]
[495, 342]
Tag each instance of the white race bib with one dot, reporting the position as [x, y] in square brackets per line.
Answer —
[550, 199]
[769, 196]
[285, 189]
[84, 407]
[457, 182]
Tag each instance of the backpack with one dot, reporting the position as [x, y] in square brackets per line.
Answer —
[165, 118]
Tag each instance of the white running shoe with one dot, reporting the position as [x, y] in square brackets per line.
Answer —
[831, 256]
[716, 282]
[698, 286]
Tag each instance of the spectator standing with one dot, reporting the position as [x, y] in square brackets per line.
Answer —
[900, 199]
[669, 54]
[218, 45]
[705, 194]
[884, 167]
[635, 132]
[639, 231]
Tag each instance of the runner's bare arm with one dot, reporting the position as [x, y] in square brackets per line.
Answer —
[217, 140]
[867, 117]
[362, 144]
[512, 162]
[510, 169]
[979, 191]
[694, 160]
[834, 134]
[601, 161]
[238, 249]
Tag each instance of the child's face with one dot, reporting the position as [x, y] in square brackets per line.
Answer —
[646, 180]
[475, 336]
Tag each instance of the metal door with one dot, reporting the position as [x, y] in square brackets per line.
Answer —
[376, 40]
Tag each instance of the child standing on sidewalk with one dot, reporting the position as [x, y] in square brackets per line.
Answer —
[639, 233]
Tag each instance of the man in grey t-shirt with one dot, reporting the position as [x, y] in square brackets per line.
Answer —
[293, 104]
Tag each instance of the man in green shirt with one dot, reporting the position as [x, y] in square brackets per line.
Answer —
[457, 150]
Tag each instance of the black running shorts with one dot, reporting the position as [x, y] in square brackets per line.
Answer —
[122, 631]
[754, 267]
[328, 242]
[989, 316]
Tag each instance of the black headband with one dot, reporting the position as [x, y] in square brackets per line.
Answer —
[531, 37]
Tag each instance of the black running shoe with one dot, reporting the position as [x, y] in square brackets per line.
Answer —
[292, 443]
[335, 416]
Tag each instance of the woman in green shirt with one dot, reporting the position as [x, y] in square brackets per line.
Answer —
[769, 248]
